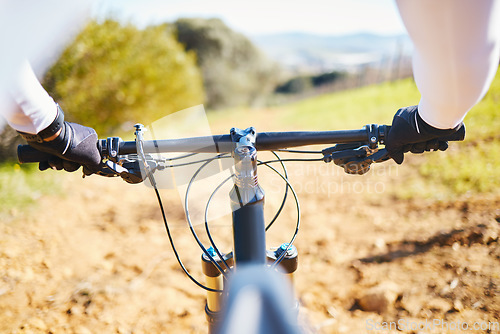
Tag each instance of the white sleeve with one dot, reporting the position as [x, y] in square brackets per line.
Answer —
[457, 51]
[31, 109]
[37, 31]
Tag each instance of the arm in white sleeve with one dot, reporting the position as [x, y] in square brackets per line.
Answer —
[31, 109]
[457, 51]
[32, 30]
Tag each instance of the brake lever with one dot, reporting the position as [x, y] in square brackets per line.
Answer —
[128, 169]
[380, 156]
[355, 160]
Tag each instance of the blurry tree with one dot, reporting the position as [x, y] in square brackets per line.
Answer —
[302, 84]
[296, 85]
[327, 78]
[115, 74]
[235, 72]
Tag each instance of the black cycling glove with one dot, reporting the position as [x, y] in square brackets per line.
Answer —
[75, 146]
[409, 133]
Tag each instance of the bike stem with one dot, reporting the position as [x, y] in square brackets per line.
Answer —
[247, 201]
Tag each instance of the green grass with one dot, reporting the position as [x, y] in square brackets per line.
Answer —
[483, 121]
[353, 108]
[22, 185]
[469, 169]
[349, 109]
[473, 167]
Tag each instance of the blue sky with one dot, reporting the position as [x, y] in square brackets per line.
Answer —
[267, 16]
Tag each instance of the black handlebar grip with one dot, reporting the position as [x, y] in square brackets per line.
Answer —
[27, 154]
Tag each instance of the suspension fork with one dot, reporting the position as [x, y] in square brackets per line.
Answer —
[249, 232]
[249, 235]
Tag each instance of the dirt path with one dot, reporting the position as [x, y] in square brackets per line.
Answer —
[98, 261]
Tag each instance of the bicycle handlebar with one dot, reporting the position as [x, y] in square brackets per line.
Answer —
[267, 141]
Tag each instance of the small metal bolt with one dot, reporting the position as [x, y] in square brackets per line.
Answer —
[373, 139]
[242, 149]
[113, 153]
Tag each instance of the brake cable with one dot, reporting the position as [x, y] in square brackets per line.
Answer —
[356, 155]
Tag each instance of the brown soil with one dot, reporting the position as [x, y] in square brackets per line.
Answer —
[98, 261]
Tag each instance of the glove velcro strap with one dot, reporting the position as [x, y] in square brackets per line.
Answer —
[48, 132]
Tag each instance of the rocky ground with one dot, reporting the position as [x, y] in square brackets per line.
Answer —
[97, 260]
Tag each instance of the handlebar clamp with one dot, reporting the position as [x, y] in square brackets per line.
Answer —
[109, 148]
[373, 135]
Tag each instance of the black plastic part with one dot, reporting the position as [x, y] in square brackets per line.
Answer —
[27, 154]
[342, 151]
[354, 160]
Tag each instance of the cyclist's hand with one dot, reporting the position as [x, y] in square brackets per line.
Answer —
[409, 133]
[73, 146]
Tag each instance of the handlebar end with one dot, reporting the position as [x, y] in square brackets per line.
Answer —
[28, 154]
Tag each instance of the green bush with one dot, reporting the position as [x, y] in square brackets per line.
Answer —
[113, 75]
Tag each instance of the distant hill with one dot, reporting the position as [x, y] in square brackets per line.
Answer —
[306, 52]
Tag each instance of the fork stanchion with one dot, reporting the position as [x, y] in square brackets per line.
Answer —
[214, 280]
